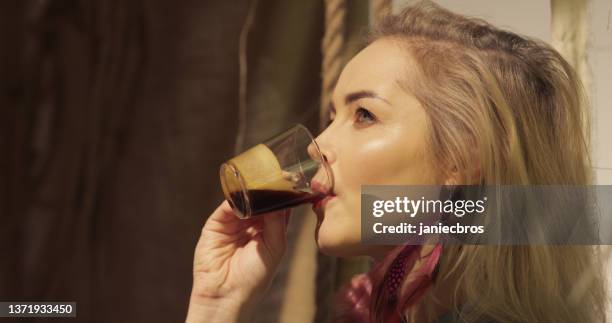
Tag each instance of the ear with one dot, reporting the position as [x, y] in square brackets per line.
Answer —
[468, 177]
[453, 178]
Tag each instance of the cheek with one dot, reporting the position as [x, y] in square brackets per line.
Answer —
[394, 156]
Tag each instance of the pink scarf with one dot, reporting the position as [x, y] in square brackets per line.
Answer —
[383, 286]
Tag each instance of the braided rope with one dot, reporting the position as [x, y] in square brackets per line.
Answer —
[379, 9]
[332, 49]
[332, 46]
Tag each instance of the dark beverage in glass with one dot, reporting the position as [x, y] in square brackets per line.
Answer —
[283, 172]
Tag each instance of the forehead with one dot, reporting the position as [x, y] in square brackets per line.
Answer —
[378, 67]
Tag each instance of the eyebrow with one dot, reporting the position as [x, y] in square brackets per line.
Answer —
[351, 97]
[354, 96]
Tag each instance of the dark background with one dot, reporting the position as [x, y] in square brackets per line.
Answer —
[114, 119]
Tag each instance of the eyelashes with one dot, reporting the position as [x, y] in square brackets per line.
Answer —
[364, 116]
[361, 117]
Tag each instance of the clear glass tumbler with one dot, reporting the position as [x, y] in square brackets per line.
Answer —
[282, 172]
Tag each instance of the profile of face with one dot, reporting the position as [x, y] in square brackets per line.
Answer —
[377, 136]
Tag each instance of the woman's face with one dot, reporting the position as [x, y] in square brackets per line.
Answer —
[377, 136]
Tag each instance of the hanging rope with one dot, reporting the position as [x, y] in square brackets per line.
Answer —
[332, 46]
[379, 9]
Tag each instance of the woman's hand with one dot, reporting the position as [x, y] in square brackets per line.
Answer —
[235, 261]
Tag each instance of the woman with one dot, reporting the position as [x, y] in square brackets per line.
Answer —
[435, 98]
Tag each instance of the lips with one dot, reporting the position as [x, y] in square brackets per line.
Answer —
[319, 189]
[321, 203]
[325, 192]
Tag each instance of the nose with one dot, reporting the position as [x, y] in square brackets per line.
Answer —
[322, 149]
[326, 149]
[315, 153]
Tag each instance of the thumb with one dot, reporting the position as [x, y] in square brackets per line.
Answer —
[274, 231]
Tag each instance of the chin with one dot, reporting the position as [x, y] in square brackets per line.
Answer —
[337, 244]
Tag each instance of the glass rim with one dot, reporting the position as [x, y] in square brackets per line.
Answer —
[243, 189]
[323, 160]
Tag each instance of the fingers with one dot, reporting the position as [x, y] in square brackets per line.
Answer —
[224, 220]
[272, 226]
[223, 213]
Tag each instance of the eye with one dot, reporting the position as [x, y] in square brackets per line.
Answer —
[363, 116]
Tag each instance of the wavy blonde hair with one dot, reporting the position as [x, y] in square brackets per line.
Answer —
[515, 108]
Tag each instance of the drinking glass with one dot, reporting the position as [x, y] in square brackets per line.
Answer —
[282, 172]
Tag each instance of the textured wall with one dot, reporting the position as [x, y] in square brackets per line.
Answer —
[115, 118]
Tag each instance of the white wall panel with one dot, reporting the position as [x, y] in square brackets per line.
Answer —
[527, 17]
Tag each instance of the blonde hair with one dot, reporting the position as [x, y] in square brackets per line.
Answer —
[515, 108]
